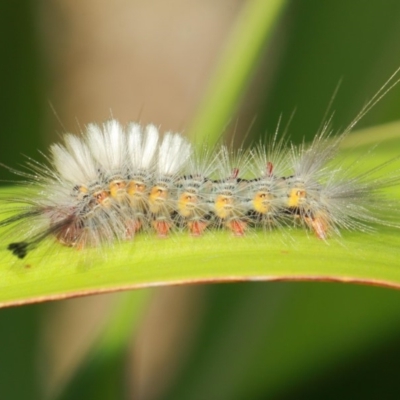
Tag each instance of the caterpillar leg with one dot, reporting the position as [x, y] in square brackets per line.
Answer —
[196, 228]
[162, 228]
[237, 227]
[319, 225]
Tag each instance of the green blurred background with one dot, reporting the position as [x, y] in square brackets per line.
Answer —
[151, 61]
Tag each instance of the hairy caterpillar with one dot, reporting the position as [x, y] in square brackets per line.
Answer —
[115, 182]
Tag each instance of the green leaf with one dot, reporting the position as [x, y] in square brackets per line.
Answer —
[252, 32]
[56, 272]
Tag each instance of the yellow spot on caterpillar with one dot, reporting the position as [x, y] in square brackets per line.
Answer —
[117, 188]
[186, 203]
[102, 198]
[83, 189]
[158, 195]
[136, 187]
[296, 196]
[261, 202]
[223, 206]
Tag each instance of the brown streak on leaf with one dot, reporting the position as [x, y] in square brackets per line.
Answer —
[232, 279]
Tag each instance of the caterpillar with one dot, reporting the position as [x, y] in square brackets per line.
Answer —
[115, 182]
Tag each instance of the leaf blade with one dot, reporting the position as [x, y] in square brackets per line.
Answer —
[55, 272]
